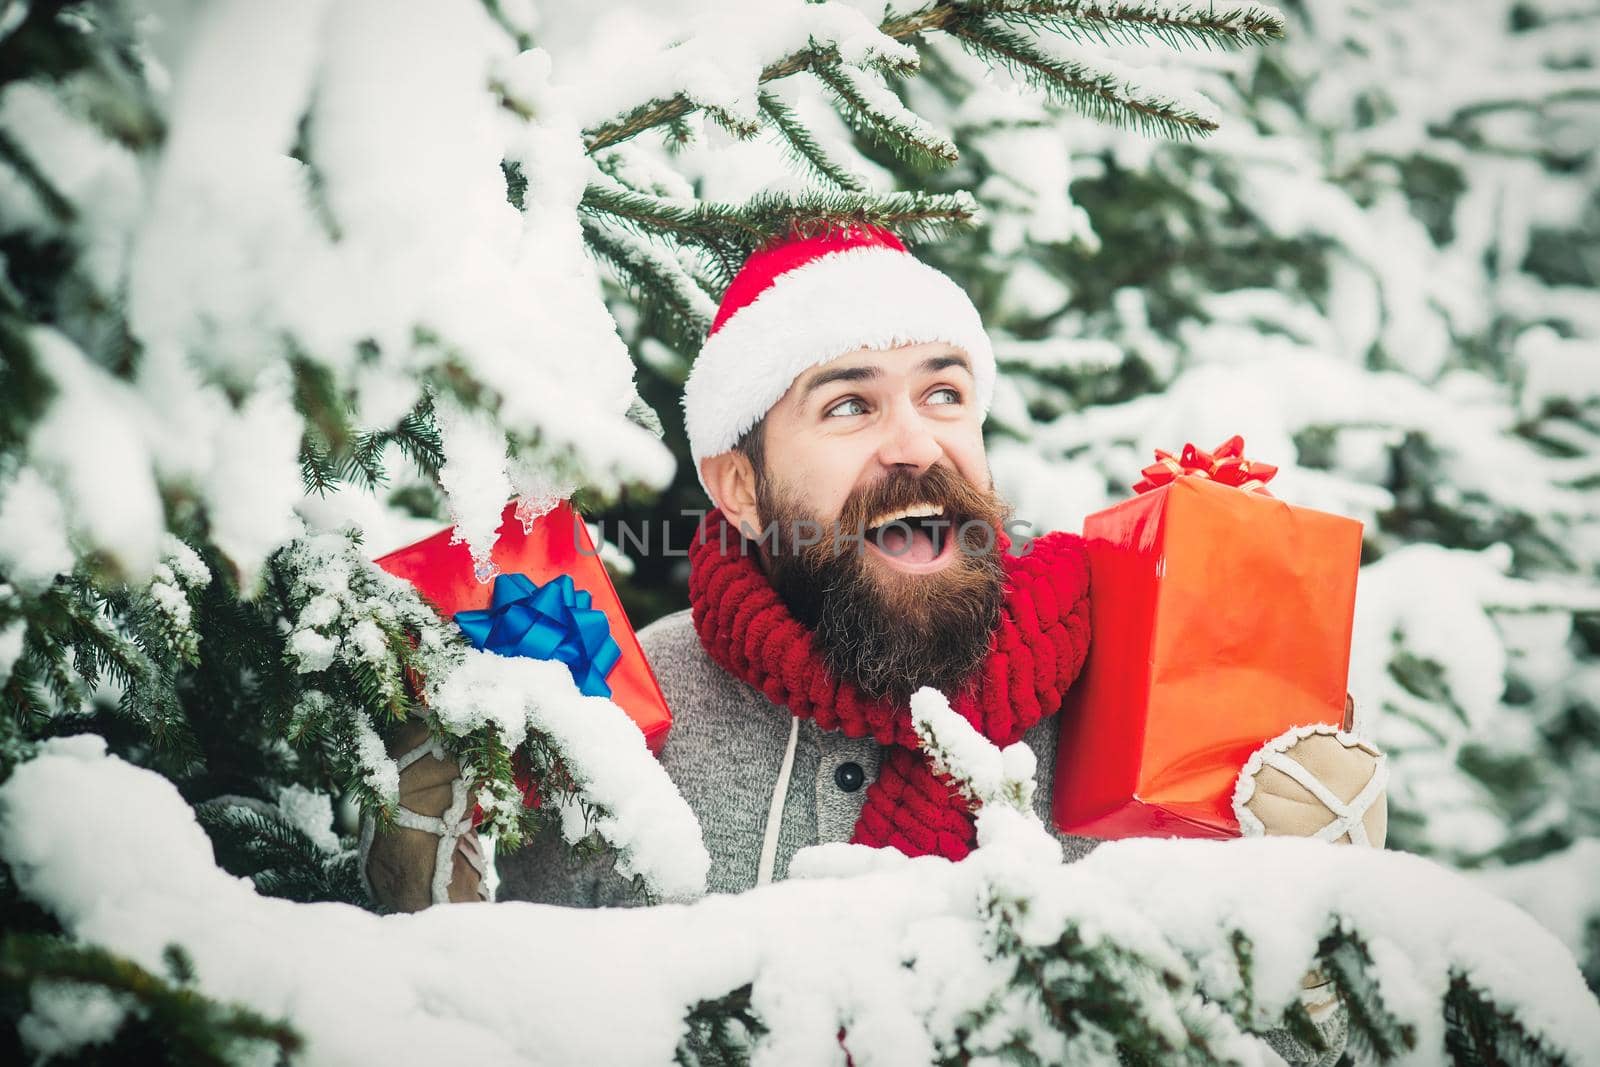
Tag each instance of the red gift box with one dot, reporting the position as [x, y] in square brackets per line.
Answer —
[557, 544]
[1221, 617]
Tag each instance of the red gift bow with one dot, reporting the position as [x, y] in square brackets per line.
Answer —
[1224, 465]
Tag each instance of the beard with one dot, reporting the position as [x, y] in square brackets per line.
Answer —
[886, 631]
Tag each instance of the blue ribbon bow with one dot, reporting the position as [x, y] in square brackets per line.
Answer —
[552, 621]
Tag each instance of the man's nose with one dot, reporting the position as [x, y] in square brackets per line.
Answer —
[908, 440]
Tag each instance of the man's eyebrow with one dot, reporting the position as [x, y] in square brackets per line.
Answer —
[862, 374]
[938, 363]
[839, 374]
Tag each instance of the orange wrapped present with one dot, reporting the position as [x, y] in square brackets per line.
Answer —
[550, 598]
[1221, 617]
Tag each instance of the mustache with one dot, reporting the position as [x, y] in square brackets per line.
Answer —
[965, 506]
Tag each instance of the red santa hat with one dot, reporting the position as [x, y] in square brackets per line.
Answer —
[807, 300]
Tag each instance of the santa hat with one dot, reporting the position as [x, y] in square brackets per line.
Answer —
[807, 300]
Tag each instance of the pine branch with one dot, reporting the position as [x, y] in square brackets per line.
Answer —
[804, 148]
[195, 1028]
[1097, 93]
[1234, 26]
[720, 1032]
[496, 10]
[58, 207]
[872, 108]
[319, 472]
[1173, 25]
[1090, 984]
[79, 639]
[672, 110]
[25, 389]
[660, 283]
[327, 425]
[1373, 1028]
[277, 856]
[1478, 1031]
[416, 436]
[731, 232]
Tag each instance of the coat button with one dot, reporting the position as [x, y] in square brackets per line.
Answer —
[849, 776]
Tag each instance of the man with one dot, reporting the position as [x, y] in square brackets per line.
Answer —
[856, 552]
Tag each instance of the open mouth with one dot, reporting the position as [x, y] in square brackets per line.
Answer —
[918, 539]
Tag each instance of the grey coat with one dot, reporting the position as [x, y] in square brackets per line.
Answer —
[725, 752]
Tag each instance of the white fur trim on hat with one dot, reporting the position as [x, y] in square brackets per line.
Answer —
[869, 297]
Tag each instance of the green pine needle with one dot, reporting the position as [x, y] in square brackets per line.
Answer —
[804, 149]
[1135, 23]
[193, 1028]
[728, 233]
[1095, 93]
[664, 290]
[871, 108]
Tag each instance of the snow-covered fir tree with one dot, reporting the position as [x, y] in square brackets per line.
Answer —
[1378, 270]
[258, 327]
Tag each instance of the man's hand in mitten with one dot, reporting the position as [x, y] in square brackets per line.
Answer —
[1316, 781]
[405, 865]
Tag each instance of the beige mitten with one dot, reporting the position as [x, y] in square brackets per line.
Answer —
[1315, 781]
[431, 855]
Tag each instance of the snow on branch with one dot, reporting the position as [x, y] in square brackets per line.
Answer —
[720, 59]
[873, 108]
[1184, 950]
[986, 773]
[619, 790]
[1172, 22]
[1100, 87]
[361, 639]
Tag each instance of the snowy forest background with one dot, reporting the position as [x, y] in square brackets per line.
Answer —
[249, 305]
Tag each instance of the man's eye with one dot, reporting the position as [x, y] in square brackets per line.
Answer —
[839, 409]
[953, 394]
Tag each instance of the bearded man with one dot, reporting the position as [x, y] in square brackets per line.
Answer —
[857, 551]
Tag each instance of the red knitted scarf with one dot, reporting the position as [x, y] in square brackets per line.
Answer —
[1034, 654]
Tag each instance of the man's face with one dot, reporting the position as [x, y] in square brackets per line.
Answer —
[854, 445]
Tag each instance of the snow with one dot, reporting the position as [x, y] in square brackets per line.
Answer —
[171, 600]
[1445, 606]
[253, 481]
[380, 772]
[393, 257]
[1554, 889]
[367, 642]
[988, 775]
[98, 176]
[1154, 87]
[714, 50]
[474, 478]
[312, 650]
[310, 812]
[1280, 387]
[1064, 353]
[896, 955]
[33, 531]
[380, 259]
[96, 460]
[641, 814]
[185, 564]
[383, 527]
[1556, 368]
[65, 1016]
[12, 636]
[883, 104]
